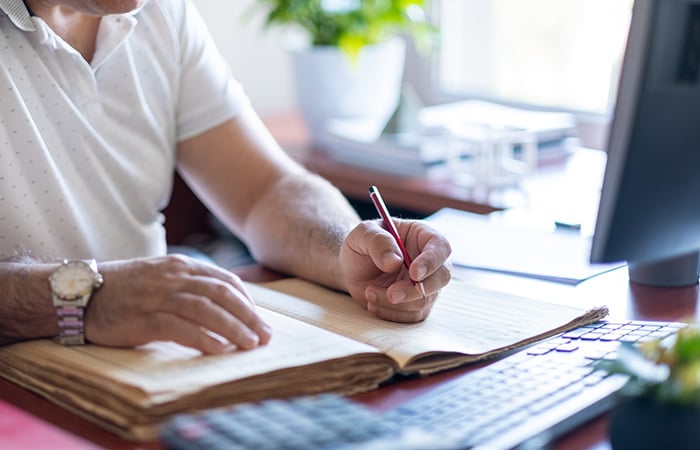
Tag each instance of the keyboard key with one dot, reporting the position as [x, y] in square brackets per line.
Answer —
[548, 386]
[547, 381]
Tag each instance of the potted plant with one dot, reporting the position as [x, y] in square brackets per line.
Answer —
[659, 406]
[351, 65]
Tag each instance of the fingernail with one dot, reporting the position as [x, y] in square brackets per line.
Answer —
[371, 296]
[252, 339]
[216, 348]
[267, 328]
[371, 307]
[421, 272]
[398, 297]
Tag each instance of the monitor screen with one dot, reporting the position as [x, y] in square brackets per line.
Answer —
[649, 212]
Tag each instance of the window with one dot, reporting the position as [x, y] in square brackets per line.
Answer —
[554, 54]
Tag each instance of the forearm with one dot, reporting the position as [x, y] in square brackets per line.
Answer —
[26, 310]
[302, 236]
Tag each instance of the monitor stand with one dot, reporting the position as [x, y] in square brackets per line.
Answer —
[679, 271]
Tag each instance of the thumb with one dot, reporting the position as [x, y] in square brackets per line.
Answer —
[371, 239]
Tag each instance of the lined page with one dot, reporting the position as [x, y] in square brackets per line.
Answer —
[165, 371]
[465, 319]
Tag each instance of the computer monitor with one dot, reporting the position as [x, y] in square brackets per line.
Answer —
[649, 212]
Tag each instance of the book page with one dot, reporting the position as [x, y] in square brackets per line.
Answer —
[466, 320]
[164, 371]
[132, 391]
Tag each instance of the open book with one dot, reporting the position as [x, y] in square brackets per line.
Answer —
[322, 342]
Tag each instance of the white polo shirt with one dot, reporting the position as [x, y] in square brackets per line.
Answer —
[88, 150]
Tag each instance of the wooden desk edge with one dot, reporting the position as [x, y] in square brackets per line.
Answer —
[643, 302]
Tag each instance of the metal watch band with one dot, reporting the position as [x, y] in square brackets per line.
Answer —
[72, 285]
[70, 322]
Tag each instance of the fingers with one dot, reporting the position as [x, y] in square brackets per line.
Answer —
[225, 276]
[173, 298]
[173, 328]
[218, 300]
[401, 316]
[410, 310]
[402, 301]
[432, 249]
[223, 309]
[427, 248]
[371, 239]
[405, 291]
[393, 292]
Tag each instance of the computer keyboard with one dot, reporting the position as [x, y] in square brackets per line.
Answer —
[325, 422]
[524, 400]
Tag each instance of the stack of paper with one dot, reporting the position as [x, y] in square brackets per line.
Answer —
[410, 155]
[480, 243]
[322, 342]
[439, 130]
[546, 126]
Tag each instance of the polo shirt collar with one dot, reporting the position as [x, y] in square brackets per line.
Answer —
[19, 14]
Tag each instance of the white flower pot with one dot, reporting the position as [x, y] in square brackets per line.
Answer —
[332, 86]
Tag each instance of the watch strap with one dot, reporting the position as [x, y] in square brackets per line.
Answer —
[71, 325]
[71, 312]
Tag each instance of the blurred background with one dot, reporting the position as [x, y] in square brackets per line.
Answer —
[547, 54]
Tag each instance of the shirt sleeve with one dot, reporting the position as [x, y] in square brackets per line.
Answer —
[209, 95]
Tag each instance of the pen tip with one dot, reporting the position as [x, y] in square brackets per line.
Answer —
[421, 289]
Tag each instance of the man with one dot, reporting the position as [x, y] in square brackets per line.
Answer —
[100, 101]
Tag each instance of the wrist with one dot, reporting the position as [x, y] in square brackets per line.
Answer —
[26, 311]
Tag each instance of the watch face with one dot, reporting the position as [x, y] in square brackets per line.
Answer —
[73, 280]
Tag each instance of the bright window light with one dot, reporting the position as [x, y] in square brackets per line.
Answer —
[560, 54]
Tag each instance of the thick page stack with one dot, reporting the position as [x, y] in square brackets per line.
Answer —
[322, 342]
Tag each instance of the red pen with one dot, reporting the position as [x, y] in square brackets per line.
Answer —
[376, 198]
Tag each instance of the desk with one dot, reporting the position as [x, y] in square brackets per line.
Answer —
[612, 288]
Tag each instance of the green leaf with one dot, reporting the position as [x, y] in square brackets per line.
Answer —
[667, 370]
[630, 361]
[687, 347]
[351, 24]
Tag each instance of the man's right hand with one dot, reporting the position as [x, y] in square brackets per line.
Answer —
[173, 298]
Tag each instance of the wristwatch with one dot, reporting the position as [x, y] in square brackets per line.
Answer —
[72, 285]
